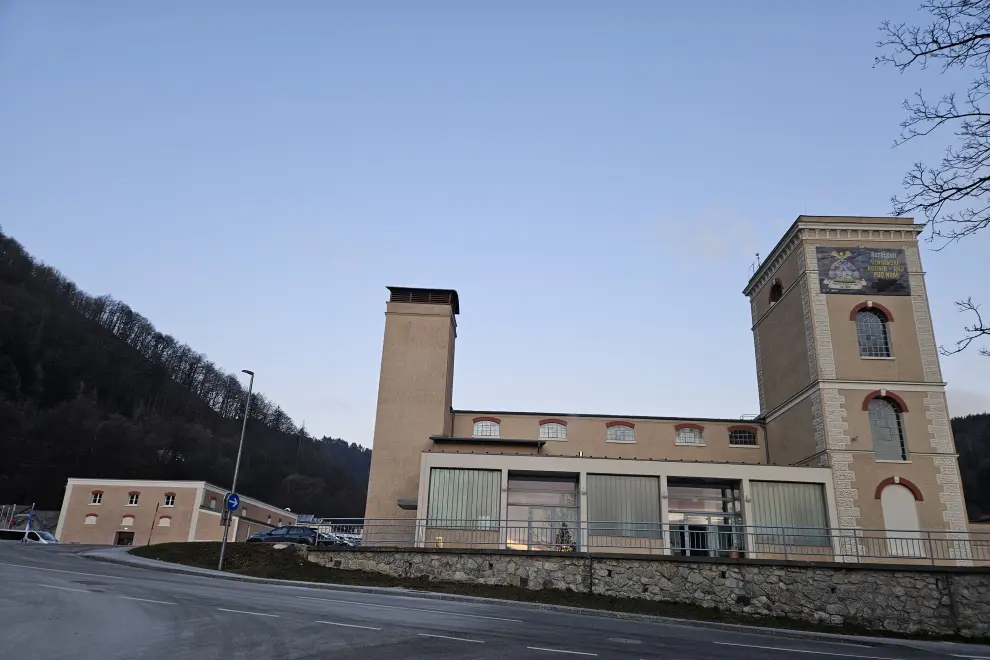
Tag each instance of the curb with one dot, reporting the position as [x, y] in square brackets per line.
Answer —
[125, 559]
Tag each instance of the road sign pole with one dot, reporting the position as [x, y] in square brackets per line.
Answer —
[237, 467]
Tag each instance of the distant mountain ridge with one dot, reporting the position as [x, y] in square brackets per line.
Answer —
[89, 388]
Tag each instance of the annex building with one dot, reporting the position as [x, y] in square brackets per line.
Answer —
[851, 457]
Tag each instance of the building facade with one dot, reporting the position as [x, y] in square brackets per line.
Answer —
[851, 457]
[141, 512]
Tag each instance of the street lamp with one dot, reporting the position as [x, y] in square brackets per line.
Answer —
[237, 466]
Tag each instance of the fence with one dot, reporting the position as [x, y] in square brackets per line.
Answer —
[677, 539]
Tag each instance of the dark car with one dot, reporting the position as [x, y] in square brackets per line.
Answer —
[288, 534]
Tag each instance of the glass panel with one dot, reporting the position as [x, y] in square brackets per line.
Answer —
[624, 506]
[540, 498]
[885, 426]
[464, 499]
[795, 513]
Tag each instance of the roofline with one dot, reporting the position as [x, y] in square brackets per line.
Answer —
[809, 219]
[737, 420]
[488, 440]
[455, 299]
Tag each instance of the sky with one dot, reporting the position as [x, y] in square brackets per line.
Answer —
[593, 178]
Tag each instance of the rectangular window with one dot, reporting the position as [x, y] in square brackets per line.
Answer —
[690, 437]
[742, 438]
[170, 500]
[791, 513]
[624, 506]
[464, 499]
[97, 497]
[132, 499]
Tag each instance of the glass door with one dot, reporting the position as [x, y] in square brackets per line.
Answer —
[542, 513]
[705, 517]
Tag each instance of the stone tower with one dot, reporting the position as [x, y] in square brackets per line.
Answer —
[849, 375]
[414, 396]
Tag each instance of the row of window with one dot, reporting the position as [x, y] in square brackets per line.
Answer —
[132, 498]
[127, 521]
[621, 432]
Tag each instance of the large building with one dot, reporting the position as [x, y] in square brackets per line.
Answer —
[851, 456]
[140, 512]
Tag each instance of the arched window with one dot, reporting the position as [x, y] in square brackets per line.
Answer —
[213, 503]
[553, 429]
[620, 432]
[165, 521]
[91, 519]
[127, 521]
[900, 520]
[887, 430]
[486, 428]
[871, 330]
[776, 291]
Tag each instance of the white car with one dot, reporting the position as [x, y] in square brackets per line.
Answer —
[27, 537]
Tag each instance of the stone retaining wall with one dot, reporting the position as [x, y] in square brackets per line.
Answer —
[906, 599]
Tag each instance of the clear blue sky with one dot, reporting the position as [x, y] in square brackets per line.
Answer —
[592, 177]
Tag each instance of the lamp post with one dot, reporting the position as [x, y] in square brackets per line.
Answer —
[237, 466]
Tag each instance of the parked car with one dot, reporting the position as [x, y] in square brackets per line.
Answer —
[27, 537]
[288, 534]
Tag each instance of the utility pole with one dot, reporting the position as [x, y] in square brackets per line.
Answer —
[237, 467]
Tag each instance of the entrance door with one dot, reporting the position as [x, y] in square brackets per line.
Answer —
[124, 538]
[542, 513]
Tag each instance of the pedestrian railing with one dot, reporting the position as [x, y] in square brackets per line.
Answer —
[683, 539]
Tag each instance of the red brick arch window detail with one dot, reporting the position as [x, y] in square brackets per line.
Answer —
[134, 492]
[863, 305]
[699, 427]
[611, 424]
[901, 481]
[486, 419]
[97, 491]
[562, 422]
[884, 394]
[170, 493]
[743, 427]
[169, 517]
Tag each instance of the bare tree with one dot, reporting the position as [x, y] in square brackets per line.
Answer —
[953, 195]
[973, 332]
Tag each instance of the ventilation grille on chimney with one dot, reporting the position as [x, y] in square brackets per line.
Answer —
[425, 296]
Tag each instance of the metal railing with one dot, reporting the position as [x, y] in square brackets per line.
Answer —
[672, 539]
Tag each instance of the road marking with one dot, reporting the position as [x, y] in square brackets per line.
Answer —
[778, 648]
[456, 639]
[540, 648]
[224, 609]
[148, 600]
[348, 625]
[414, 609]
[52, 586]
[972, 657]
[59, 570]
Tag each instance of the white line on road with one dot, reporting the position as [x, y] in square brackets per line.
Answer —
[413, 609]
[972, 657]
[148, 600]
[456, 639]
[59, 570]
[224, 609]
[348, 625]
[778, 648]
[540, 648]
[52, 586]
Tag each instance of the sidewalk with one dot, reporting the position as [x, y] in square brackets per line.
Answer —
[951, 649]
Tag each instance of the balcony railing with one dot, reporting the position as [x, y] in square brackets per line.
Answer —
[672, 539]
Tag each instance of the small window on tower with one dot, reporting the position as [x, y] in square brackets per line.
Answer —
[776, 291]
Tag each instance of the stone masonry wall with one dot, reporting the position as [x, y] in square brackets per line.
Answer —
[934, 601]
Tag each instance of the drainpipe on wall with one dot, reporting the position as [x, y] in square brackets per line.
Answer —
[153, 520]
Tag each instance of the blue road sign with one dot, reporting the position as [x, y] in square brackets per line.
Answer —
[232, 501]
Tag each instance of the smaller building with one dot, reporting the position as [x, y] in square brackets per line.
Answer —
[141, 512]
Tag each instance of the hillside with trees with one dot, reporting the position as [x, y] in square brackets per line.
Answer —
[972, 434]
[89, 388]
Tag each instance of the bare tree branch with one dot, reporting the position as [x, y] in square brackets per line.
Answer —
[973, 332]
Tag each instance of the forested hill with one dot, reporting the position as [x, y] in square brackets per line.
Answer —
[972, 434]
[89, 388]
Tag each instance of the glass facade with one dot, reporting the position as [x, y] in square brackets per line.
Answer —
[624, 506]
[542, 512]
[464, 499]
[705, 516]
[794, 514]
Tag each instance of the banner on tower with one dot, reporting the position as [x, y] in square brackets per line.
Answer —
[860, 270]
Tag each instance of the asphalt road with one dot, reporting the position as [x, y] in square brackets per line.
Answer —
[55, 604]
